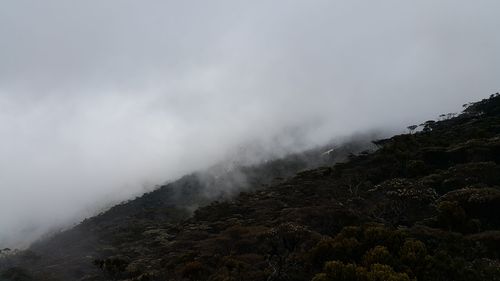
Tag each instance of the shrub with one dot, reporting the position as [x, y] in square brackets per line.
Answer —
[451, 215]
[338, 271]
[413, 252]
[382, 272]
[377, 235]
[194, 271]
[340, 248]
[378, 254]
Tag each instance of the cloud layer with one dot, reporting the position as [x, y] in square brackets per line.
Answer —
[99, 99]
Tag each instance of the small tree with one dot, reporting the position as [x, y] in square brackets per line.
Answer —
[378, 254]
[428, 125]
[412, 128]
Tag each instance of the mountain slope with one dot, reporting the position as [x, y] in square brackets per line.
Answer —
[69, 255]
[424, 206]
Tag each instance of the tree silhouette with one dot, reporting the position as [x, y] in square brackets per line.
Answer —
[412, 128]
[427, 125]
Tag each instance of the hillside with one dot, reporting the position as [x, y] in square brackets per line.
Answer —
[424, 206]
[69, 255]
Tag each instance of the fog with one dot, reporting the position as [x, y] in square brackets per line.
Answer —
[100, 100]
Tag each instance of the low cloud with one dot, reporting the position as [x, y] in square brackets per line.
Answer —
[101, 99]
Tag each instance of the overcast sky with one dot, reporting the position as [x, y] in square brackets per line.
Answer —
[101, 98]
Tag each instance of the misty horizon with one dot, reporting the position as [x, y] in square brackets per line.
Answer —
[100, 101]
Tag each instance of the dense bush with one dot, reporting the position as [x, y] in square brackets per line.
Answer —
[338, 271]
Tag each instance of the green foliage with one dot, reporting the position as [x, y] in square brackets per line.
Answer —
[378, 234]
[338, 271]
[382, 272]
[413, 252]
[339, 248]
[451, 215]
[377, 255]
[408, 258]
